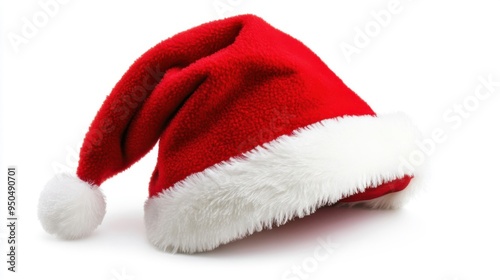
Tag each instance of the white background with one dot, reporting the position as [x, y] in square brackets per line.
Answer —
[425, 61]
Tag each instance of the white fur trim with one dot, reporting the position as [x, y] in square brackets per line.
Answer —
[70, 208]
[289, 177]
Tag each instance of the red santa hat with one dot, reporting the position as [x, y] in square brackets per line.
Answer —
[253, 130]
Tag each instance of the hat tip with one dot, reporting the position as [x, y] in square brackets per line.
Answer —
[70, 208]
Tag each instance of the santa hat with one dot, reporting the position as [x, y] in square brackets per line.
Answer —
[254, 130]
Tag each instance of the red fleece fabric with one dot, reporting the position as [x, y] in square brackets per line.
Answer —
[377, 191]
[208, 94]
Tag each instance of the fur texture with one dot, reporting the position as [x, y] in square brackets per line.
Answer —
[289, 177]
[70, 208]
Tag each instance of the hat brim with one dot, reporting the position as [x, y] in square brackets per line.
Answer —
[291, 176]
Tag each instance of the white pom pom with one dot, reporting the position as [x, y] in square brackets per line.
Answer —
[70, 208]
